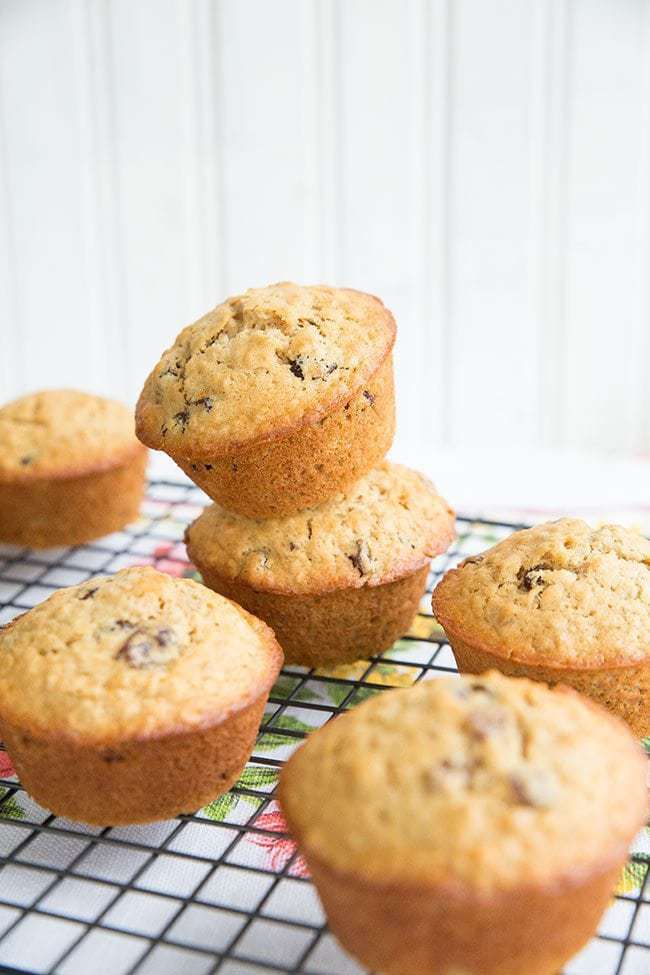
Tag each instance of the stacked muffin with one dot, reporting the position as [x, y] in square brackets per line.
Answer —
[276, 399]
[280, 405]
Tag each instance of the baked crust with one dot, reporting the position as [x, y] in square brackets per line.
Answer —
[284, 476]
[336, 582]
[71, 469]
[260, 366]
[70, 509]
[138, 781]
[535, 796]
[527, 931]
[145, 695]
[63, 433]
[561, 594]
[387, 525]
[333, 627]
[525, 784]
[132, 656]
[623, 690]
[559, 603]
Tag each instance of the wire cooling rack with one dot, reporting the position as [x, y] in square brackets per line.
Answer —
[223, 890]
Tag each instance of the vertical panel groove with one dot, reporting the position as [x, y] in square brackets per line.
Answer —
[329, 141]
[110, 256]
[447, 134]
[428, 301]
[89, 113]
[553, 220]
[194, 253]
[312, 230]
[218, 123]
[340, 187]
[204, 243]
[539, 167]
[12, 348]
[433, 228]
[643, 390]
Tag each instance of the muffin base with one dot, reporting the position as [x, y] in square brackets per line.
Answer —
[530, 930]
[138, 780]
[623, 690]
[284, 476]
[70, 510]
[331, 628]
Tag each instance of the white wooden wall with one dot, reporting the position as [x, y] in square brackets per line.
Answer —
[483, 165]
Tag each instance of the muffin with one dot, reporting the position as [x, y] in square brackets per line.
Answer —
[473, 825]
[133, 698]
[336, 582]
[276, 399]
[71, 468]
[558, 602]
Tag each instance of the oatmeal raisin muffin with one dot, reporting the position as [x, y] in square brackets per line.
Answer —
[133, 698]
[475, 825]
[561, 602]
[276, 399]
[71, 468]
[336, 582]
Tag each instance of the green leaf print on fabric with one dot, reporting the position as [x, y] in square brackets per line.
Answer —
[361, 695]
[632, 877]
[270, 740]
[224, 806]
[337, 693]
[253, 777]
[10, 809]
[257, 777]
[284, 686]
[219, 809]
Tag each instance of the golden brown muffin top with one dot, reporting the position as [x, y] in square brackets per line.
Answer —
[261, 365]
[139, 654]
[479, 782]
[387, 525]
[63, 432]
[561, 594]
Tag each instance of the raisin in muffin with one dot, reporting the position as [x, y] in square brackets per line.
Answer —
[133, 698]
[336, 582]
[473, 825]
[558, 602]
[276, 399]
[71, 468]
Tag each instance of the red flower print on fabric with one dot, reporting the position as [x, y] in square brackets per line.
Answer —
[168, 557]
[280, 848]
[6, 768]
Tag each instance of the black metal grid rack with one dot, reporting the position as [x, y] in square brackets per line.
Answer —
[222, 890]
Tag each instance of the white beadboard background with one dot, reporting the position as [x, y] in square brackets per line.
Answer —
[483, 165]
